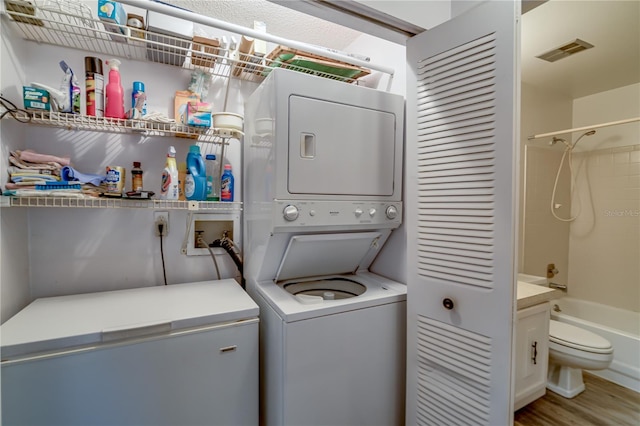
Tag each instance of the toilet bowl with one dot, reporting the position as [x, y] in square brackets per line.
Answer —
[572, 349]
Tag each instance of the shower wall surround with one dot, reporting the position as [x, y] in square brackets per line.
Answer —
[604, 242]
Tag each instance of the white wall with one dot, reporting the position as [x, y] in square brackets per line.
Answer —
[543, 239]
[604, 243]
[14, 270]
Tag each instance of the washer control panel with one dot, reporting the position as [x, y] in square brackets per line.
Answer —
[336, 213]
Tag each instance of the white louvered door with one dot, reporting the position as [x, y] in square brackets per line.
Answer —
[461, 191]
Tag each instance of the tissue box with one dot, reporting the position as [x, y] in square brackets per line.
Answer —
[199, 114]
[112, 12]
[37, 99]
[168, 31]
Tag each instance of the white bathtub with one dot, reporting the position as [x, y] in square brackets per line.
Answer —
[618, 326]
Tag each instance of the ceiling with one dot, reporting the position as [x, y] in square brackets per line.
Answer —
[613, 27]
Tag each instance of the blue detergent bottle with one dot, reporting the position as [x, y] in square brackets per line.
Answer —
[195, 185]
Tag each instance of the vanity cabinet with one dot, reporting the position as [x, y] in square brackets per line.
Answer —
[532, 354]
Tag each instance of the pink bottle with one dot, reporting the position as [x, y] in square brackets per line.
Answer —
[114, 106]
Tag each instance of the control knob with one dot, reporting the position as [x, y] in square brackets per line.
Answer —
[358, 212]
[290, 213]
[372, 212]
[392, 212]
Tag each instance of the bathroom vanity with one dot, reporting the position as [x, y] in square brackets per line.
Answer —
[532, 341]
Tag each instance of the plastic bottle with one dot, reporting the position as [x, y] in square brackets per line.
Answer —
[195, 186]
[213, 178]
[169, 188]
[182, 175]
[226, 189]
[94, 82]
[115, 94]
[138, 88]
[136, 177]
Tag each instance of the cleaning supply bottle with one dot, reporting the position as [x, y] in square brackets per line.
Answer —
[195, 186]
[169, 189]
[213, 177]
[138, 89]
[115, 94]
[182, 175]
[226, 188]
[136, 177]
[94, 82]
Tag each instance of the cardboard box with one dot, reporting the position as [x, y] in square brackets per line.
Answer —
[181, 104]
[202, 47]
[166, 31]
[37, 99]
[112, 12]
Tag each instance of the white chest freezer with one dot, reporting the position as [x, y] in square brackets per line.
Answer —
[183, 354]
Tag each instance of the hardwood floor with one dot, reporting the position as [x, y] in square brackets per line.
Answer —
[602, 403]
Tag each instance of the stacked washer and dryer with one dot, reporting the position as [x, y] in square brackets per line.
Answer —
[322, 192]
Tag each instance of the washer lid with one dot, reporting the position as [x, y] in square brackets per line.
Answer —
[574, 337]
[327, 254]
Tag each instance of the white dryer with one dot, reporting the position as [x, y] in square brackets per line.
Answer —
[322, 193]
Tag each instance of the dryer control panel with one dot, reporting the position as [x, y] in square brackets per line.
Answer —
[331, 214]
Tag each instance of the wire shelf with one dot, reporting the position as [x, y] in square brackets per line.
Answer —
[57, 26]
[115, 125]
[111, 203]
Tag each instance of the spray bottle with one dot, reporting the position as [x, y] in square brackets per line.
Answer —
[170, 187]
[115, 94]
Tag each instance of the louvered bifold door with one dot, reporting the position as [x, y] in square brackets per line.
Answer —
[462, 115]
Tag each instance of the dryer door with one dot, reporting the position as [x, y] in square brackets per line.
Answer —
[338, 149]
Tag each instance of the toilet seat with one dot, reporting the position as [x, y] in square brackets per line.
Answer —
[573, 337]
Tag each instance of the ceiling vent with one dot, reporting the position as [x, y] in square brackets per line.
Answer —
[565, 50]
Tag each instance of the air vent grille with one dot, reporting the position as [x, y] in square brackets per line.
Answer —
[565, 50]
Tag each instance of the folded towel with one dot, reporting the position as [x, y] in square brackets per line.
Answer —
[70, 174]
[34, 157]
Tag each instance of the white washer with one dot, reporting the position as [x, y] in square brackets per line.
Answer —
[332, 346]
[322, 190]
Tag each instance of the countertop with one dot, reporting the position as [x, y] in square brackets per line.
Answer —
[534, 294]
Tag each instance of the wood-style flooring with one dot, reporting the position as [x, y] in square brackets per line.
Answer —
[602, 403]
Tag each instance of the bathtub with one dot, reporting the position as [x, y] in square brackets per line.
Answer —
[618, 326]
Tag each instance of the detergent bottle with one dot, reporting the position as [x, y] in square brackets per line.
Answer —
[195, 186]
[226, 188]
[115, 94]
[169, 188]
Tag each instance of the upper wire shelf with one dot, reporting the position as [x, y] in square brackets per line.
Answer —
[116, 125]
[80, 30]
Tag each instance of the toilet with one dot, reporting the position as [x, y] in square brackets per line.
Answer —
[571, 350]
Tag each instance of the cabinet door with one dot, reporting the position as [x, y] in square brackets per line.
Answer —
[462, 156]
[532, 354]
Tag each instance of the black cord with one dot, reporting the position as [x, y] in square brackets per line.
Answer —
[227, 245]
[12, 109]
[164, 270]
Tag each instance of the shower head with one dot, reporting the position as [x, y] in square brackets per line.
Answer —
[589, 133]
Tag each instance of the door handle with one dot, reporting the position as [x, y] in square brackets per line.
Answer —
[535, 353]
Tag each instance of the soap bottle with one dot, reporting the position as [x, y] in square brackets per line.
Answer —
[226, 187]
[136, 177]
[213, 178]
[169, 188]
[115, 94]
[195, 186]
[182, 175]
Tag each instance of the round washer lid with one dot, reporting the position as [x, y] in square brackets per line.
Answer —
[574, 337]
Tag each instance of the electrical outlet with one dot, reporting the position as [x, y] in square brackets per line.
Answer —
[161, 218]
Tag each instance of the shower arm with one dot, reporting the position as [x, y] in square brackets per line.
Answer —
[579, 129]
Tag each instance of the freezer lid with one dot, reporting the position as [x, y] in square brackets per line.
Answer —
[58, 323]
[327, 254]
